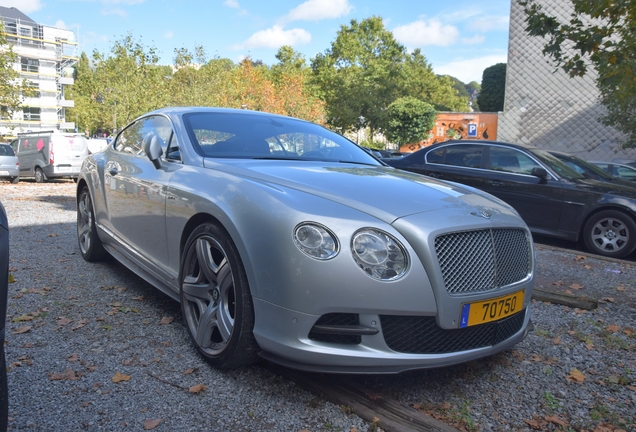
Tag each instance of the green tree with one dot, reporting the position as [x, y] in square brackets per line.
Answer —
[12, 88]
[409, 120]
[82, 93]
[600, 35]
[421, 82]
[360, 75]
[493, 88]
[128, 82]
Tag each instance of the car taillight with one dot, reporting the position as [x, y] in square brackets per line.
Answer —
[51, 155]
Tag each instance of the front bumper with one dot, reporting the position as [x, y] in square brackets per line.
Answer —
[286, 342]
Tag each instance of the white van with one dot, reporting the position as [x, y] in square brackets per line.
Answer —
[51, 154]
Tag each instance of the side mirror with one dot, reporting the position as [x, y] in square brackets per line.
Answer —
[539, 172]
[152, 148]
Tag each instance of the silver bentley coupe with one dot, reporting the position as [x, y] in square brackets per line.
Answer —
[285, 241]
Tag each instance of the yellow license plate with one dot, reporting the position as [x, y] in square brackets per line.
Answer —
[490, 310]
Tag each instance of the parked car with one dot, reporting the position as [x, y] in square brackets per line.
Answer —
[9, 164]
[4, 288]
[553, 198]
[621, 171]
[588, 169]
[51, 154]
[629, 162]
[285, 241]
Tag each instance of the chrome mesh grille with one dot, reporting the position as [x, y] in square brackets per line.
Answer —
[474, 261]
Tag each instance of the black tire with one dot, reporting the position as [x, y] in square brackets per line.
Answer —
[90, 245]
[4, 393]
[15, 180]
[39, 175]
[215, 299]
[610, 233]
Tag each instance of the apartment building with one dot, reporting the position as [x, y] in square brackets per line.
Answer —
[45, 59]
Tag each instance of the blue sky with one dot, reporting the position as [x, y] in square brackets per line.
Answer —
[459, 38]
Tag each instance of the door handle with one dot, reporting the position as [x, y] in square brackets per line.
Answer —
[435, 175]
[495, 183]
[113, 171]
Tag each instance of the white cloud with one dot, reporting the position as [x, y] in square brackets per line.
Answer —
[24, 6]
[316, 10]
[470, 70]
[169, 34]
[275, 37]
[231, 3]
[477, 39]
[431, 32]
[493, 23]
[60, 24]
[115, 11]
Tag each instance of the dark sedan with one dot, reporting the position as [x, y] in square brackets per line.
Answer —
[553, 198]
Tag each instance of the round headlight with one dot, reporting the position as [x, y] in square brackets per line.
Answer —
[379, 254]
[315, 241]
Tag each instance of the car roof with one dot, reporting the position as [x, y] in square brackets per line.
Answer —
[490, 142]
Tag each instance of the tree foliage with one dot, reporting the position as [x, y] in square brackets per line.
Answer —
[366, 69]
[409, 120]
[600, 35]
[493, 88]
[112, 89]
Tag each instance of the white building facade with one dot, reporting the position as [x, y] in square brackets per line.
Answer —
[46, 56]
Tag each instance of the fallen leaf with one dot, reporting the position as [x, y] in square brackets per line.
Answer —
[68, 374]
[608, 299]
[445, 406]
[576, 286]
[536, 358]
[53, 235]
[558, 283]
[81, 323]
[556, 420]
[11, 278]
[62, 321]
[580, 258]
[628, 331]
[613, 328]
[120, 377]
[197, 388]
[556, 340]
[575, 376]
[533, 424]
[166, 320]
[25, 317]
[21, 330]
[138, 298]
[151, 424]
[587, 267]
[73, 357]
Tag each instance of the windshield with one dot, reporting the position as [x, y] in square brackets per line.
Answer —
[257, 136]
[6, 150]
[557, 165]
[584, 167]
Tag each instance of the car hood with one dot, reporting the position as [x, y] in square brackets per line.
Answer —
[383, 192]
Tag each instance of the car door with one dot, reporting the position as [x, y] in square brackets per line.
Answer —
[461, 163]
[136, 192]
[539, 201]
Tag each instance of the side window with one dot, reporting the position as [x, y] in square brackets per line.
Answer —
[131, 138]
[464, 155]
[436, 156]
[511, 160]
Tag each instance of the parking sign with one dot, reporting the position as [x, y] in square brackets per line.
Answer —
[472, 130]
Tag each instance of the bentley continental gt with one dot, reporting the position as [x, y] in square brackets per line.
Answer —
[285, 241]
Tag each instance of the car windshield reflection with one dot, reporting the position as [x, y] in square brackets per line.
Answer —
[223, 135]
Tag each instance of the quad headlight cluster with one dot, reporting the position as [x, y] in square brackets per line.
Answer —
[379, 254]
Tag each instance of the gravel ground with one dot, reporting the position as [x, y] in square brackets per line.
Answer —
[76, 328]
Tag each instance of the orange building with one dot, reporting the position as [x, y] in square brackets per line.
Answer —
[450, 125]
